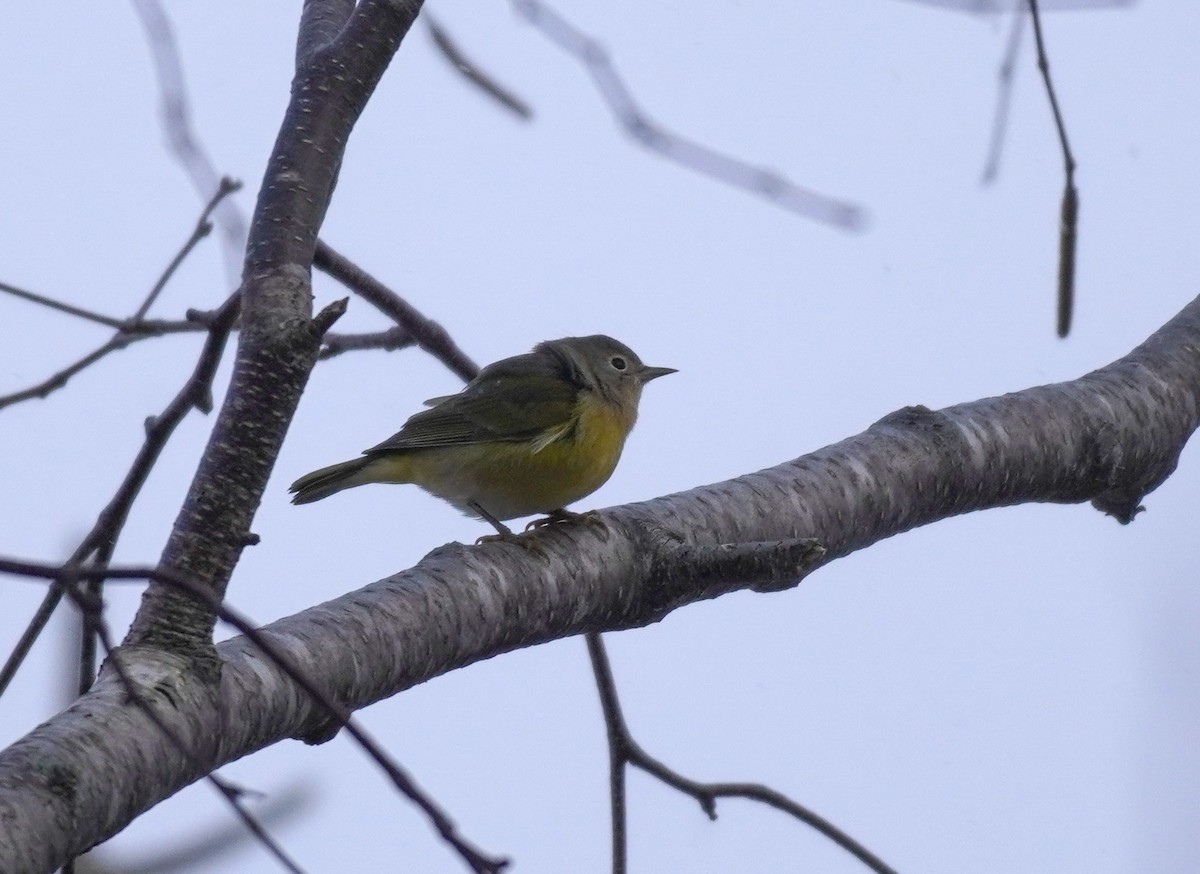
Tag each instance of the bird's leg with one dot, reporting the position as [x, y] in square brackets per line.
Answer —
[503, 534]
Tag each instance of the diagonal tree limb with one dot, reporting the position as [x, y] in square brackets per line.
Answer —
[279, 340]
[334, 716]
[91, 606]
[1109, 437]
[320, 25]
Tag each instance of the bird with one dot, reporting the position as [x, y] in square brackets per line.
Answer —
[529, 434]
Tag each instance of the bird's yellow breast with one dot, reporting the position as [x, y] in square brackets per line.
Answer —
[511, 479]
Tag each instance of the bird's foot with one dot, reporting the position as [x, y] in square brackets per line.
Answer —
[508, 536]
[557, 517]
[503, 534]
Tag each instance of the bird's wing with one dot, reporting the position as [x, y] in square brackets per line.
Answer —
[517, 399]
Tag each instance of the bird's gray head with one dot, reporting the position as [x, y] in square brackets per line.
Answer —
[604, 365]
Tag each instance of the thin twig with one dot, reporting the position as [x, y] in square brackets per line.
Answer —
[429, 335]
[320, 23]
[998, 7]
[759, 181]
[220, 839]
[470, 71]
[618, 738]
[390, 340]
[100, 541]
[1004, 94]
[233, 795]
[127, 330]
[129, 334]
[67, 308]
[1068, 232]
[57, 380]
[177, 124]
[623, 750]
[333, 709]
[203, 226]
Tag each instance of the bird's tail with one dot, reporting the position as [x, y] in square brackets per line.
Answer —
[324, 482]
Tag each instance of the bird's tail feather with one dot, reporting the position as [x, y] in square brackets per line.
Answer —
[328, 480]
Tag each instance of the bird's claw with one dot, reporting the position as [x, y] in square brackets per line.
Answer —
[557, 517]
[499, 537]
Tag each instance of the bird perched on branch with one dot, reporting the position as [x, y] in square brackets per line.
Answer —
[530, 434]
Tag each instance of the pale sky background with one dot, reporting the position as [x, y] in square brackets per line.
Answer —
[1012, 691]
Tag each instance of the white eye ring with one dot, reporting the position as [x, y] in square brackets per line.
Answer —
[618, 363]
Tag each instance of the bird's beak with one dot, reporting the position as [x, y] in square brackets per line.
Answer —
[649, 373]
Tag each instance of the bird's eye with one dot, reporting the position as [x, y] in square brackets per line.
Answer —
[618, 362]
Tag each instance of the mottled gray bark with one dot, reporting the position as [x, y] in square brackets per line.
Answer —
[342, 53]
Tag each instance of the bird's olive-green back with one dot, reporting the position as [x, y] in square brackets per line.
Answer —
[519, 398]
[515, 399]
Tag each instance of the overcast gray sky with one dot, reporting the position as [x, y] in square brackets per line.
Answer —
[1009, 691]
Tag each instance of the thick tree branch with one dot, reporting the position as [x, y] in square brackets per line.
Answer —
[1109, 437]
[279, 341]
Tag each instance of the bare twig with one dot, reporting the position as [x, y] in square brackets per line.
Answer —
[759, 181]
[339, 717]
[233, 795]
[996, 7]
[1004, 93]
[177, 124]
[57, 380]
[218, 840]
[225, 188]
[390, 340]
[101, 540]
[127, 335]
[336, 344]
[127, 330]
[429, 335]
[472, 73]
[624, 750]
[1068, 233]
[60, 306]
